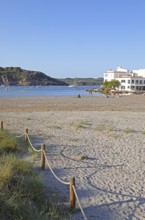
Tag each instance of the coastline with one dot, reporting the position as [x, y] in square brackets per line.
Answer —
[109, 131]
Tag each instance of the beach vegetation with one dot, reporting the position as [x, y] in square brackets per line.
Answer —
[29, 119]
[114, 135]
[73, 139]
[49, 136]
[21, 188]
[100, 127]
[129, 130]
[111, 128]
[103, 126]
[8, 143]
[82, 124]
[54, 127]
[32, 153]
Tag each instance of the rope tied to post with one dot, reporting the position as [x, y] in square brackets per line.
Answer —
[66, 183]
[31, 143]
[79, 202]
[20, 135]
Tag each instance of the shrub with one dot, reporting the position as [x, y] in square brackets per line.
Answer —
[21, 189]
[8, 143]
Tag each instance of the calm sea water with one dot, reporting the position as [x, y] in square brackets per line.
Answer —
[31, 91]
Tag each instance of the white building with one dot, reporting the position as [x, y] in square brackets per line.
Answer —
[129, 80]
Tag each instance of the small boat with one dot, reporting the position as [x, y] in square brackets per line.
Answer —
[72, 85]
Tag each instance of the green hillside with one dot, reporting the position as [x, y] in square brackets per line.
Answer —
[83, 81]
[17, 76]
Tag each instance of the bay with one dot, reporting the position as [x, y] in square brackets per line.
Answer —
[44, 91]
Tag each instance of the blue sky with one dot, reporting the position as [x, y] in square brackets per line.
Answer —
[72, 38]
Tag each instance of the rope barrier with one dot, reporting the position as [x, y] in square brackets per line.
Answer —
[20, 135]
[44, 153]
[79, 203]
[66, 183]
[31, 144]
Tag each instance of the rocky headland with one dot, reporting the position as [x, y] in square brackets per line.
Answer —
[13, 76]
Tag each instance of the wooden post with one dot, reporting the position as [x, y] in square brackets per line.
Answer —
[72, 194]
[2, 127]
[26, 133]
[42, 157]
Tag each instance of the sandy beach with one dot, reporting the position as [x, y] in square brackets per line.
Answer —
[86, 103]
[110, 182]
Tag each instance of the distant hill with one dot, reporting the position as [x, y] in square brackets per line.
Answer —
[83, 81]
[17, 76]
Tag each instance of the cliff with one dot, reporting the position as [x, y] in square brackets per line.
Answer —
[14, 76]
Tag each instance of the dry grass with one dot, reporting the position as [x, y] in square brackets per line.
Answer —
[21, 190]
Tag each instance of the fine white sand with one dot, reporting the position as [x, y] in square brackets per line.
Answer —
[111, 181]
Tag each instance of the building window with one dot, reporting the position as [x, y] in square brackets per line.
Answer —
[122, 87]
[132, 81]
[128, 87]
[144, 81]
[137, 81]
[123, 81]
[129, 81]
[140, 81]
